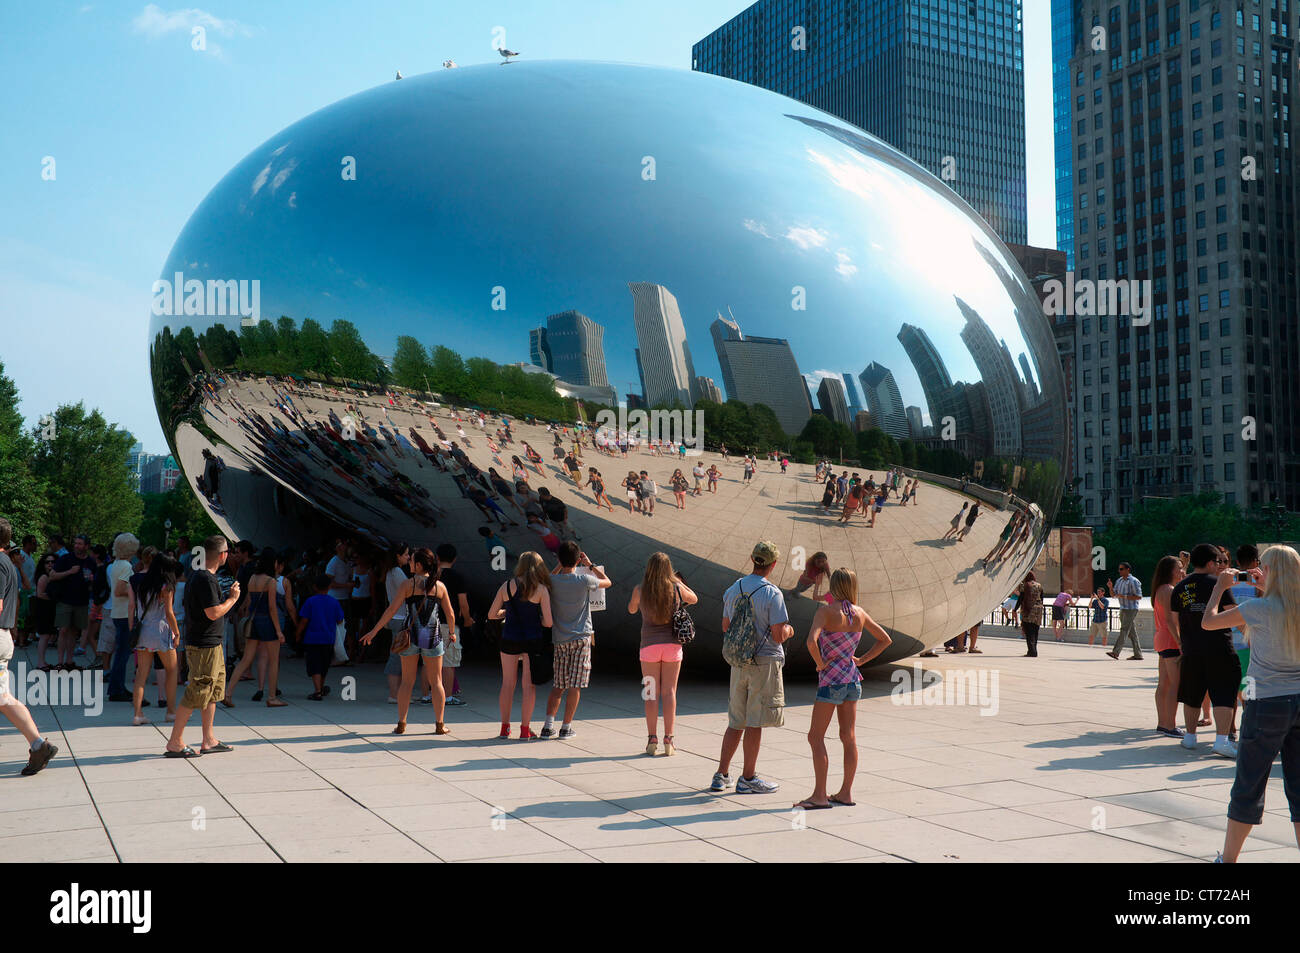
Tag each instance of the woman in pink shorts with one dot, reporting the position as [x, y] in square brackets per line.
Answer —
[656, 597]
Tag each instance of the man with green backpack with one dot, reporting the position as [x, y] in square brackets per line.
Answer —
[754, 625]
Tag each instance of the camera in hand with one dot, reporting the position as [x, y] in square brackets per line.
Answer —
[1243, 577]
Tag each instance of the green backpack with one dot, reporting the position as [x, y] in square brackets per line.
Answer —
[741, 641]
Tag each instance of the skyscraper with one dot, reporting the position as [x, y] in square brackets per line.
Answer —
[914, 422]
[709, 390]
[664, 361]
[762, 370]
[998, 375]
[884, 401]
[943, 398]
[1065, 21]
[851, 394]
[1185, 176]
[831, 400]
[539, 352]
[940, 80]
[576, 347]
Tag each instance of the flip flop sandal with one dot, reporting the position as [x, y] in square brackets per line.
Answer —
[219, 748]
[810, 806]
[834, 800]
[186, 752]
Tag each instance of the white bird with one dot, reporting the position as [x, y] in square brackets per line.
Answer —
[399, 74]
[449, 64]
[506, 54]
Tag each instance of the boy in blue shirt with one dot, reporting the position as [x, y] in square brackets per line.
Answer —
[317, 621]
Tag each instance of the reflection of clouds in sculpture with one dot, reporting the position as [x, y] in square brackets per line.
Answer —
[806, 237]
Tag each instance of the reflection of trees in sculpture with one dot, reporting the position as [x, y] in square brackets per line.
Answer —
[740, 425]
[478, 381]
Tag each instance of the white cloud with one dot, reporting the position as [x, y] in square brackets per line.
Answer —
[845, 264]
[293, 200]
[155, 22]
[283, 174]
[261, 179]
[757, 227]
[806, 237]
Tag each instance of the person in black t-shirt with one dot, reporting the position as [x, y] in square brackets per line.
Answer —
[1208, 662]
[205, 613]
[74, 573]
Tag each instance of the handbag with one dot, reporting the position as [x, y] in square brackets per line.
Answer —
[541, 662]
[682, 623]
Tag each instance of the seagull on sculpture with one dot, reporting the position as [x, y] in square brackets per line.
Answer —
[399, 74]
[507, 54]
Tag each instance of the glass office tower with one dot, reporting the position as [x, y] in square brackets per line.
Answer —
[941, 80]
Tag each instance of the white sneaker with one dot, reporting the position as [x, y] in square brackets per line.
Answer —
[392, 700]
[1225, 749]
[1189, 742]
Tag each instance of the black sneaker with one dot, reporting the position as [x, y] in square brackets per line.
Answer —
[121, 697]
[257, 695]
[39, 758]
[566, 733]
[546, 733]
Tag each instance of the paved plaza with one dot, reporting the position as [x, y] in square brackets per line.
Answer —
[1067, 769]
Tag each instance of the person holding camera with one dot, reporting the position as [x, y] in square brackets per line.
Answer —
[572, 633]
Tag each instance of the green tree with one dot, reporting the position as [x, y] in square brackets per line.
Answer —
[828, 437]
[1070, 512]
[183, 508]
[84, 466]
[22, 492]
[410, 363]
[1158, 528]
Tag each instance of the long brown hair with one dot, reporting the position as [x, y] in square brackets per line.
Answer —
[530, 572]
[658, 589]
[1164, 573]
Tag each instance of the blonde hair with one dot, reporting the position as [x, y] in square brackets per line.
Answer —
[530, 572]
[125, 546]
[1282, 582]
[657, 589]
[844, 585]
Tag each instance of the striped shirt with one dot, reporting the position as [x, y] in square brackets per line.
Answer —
[1129, 591]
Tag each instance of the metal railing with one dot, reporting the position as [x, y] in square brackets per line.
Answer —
[1076, 617]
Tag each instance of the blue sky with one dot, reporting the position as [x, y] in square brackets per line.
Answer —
[141, 126]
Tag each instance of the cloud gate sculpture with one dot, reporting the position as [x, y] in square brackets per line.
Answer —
[561, 242]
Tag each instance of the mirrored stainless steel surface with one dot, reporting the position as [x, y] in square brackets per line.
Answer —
[613, 230]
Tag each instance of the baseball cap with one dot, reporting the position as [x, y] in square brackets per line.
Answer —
[765, 553]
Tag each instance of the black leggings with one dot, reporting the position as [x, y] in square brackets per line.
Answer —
[1031, 636]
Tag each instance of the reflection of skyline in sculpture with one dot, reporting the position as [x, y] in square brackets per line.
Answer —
[571, 347]
[663, 357]
[884, 401]
[761, 370]
[944, 398]
[831, 400]
[1000, 382]
[391, 269]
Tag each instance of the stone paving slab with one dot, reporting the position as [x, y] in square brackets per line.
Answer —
[1066, 770]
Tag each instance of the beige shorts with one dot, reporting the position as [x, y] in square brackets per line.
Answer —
[207, 684]
[1097, 630]
[757, 697]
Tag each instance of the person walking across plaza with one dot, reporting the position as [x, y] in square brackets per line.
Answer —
[1128, 590]
[755, 608]
[205, 613]
[1270, 721]
[572, 634]
[39, 751]
[832, 642]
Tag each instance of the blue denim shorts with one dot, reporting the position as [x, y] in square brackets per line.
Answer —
[413, 649]
[838, 694]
